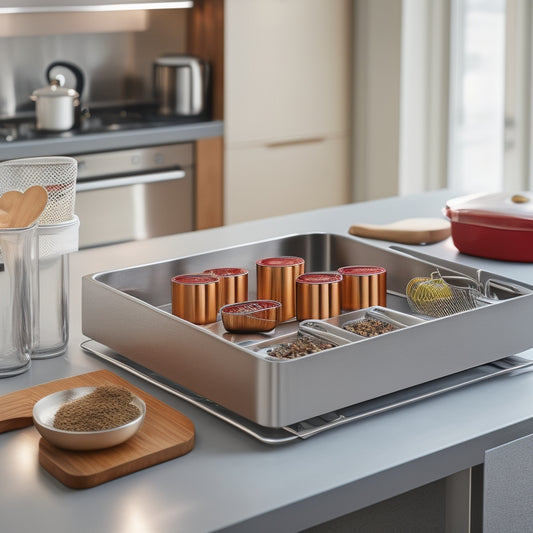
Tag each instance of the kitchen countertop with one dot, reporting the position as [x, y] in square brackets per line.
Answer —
[231, 481]
[69, 144]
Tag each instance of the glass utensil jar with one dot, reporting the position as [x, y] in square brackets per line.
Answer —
[18, 276]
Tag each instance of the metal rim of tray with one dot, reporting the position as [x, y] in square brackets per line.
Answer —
[318, 424]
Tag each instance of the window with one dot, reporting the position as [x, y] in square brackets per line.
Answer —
[477, 95]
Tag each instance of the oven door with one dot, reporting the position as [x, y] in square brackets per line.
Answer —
[134, 207]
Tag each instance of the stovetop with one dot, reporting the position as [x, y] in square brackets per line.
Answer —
[96, 120]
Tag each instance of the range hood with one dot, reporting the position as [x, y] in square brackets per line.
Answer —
[32, 6]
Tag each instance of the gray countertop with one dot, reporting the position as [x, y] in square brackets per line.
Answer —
[231, 481]
[70, 144]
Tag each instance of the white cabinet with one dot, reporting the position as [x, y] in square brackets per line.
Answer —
[269, 180]
[288, 71]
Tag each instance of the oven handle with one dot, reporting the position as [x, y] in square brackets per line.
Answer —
[107, 183]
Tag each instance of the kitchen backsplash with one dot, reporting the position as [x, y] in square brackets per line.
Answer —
[116, 62]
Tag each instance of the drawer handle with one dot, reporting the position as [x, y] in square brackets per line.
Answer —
[107, 183]
[309, 140]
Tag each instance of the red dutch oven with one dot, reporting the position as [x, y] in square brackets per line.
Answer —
[497, 226]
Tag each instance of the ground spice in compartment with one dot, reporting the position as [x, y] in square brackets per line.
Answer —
[369, 327]
[108, 406]
[303, 345]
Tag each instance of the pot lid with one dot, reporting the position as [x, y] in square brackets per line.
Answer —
[55, 90]
[496, 210]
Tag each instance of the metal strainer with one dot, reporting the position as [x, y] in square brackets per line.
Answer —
[439, 296]
[56, 174]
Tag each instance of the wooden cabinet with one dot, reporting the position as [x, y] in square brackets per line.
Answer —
[268, 179]
[287, 112]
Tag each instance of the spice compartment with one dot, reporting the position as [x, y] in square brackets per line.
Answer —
[394, 319]
[127, 310]
[295, 345]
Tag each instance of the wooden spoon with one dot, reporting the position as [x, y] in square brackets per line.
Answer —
[20, 210]
[407, 231]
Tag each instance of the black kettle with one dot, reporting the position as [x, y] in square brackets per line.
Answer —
[78, 74]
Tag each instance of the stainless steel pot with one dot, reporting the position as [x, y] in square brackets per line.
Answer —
[55, 107]
[58, 108]
[181, 85]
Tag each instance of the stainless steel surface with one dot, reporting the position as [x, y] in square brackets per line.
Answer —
[44, 412]
[117, 62]
[127, 310]
[135, 194]
[93, 166]
[325, 422]
[181, 85]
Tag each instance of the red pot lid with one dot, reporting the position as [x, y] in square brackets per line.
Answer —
[496, 210]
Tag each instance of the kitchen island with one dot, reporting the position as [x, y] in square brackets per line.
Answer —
[232, 482]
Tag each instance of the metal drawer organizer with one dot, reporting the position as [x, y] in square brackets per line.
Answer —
[128, 312]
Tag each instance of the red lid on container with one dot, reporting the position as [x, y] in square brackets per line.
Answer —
[280, 261]
[194, 279]
[361, 270]
[318, 277]
[226, 272]
[496, 210]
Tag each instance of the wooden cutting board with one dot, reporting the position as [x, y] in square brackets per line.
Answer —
[165, 434]
[407, 231]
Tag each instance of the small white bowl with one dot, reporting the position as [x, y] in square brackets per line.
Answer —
[43, 418]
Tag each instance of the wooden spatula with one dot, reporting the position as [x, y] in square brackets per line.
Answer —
[20, 210]
[407, 231]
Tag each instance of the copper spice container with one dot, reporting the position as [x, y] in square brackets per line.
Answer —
[276, 278]
[195, 297]
[252, 316]
[318, 295]
[363, 286]
[232, 284]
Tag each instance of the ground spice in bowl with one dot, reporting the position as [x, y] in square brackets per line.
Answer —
[106, 407]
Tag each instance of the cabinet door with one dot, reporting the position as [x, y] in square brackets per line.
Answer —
[287, 69]
[508, 487]
[271, 180]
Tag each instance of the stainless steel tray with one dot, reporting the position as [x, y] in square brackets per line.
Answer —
[127, 310]
[319, 424]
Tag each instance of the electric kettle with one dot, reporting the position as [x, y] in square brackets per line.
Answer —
[181, 85]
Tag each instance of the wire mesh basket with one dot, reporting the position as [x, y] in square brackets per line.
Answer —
[57, 175]
[439, 296]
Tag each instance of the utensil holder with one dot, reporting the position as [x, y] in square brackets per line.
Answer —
[57, 175]
[18, 275]
[51, 321]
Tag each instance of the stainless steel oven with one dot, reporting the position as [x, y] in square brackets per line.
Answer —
[134, 194]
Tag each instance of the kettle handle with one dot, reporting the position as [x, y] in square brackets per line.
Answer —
[80, 78]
